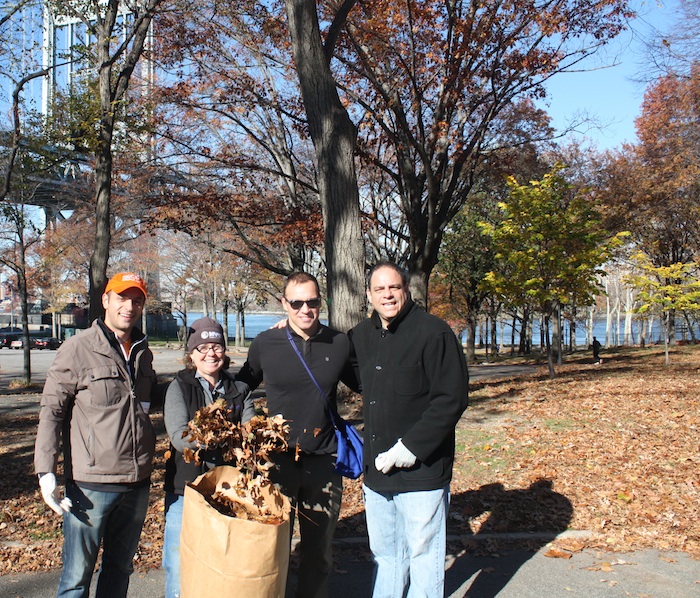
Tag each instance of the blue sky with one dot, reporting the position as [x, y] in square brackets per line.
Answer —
[610, 94]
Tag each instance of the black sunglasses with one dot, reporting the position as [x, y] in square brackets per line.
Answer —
[298, 303]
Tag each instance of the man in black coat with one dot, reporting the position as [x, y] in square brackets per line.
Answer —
[415, 385]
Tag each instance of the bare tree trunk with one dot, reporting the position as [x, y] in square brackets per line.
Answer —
[112, 90]
[526, 333]
[224, 323]
[185, 328]
[471, 338]
[103, 225]
[691, 330]
[485, 337]
[628, 336]
[671, 327]
[334, 136]
[545, 342]
[643, 333]
[24, 302]
[240, 327]
[501, 332]
[550, 356]
[557, 334]
[608, 320]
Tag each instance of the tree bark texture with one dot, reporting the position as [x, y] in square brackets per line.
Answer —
[334, 136]
[113, 86]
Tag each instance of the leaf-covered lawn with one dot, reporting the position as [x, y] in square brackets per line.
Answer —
[609, 449]
[613, 448]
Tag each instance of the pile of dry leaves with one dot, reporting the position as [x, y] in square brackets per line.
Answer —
[247, 446]
[611, 450]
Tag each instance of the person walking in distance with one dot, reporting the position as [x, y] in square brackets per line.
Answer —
[595, 345]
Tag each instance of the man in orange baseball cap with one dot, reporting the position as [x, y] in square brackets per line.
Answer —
[95, 405]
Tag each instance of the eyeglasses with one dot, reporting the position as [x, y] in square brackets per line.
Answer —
[204, 349]
[298, 303]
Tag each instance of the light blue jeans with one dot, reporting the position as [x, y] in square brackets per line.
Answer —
[113, 519]
[171, 543]
[407, 536]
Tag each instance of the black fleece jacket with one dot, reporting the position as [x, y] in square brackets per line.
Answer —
[415, 387]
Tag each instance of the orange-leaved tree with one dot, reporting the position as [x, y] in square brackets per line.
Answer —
[651, 188]
[438, 87]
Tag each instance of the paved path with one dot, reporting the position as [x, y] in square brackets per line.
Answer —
[169, 361]
[515, 574]
[166, 362]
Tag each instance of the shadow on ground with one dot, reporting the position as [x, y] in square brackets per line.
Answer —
[514, 524]
[515, 520]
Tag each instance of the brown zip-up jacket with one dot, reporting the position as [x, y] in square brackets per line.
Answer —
[92, 402]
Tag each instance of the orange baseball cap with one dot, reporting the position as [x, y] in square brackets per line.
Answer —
[126, 280]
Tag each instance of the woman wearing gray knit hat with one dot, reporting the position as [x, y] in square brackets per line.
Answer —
[204, 380]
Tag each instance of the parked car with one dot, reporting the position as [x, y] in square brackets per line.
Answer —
[6, 340]
[19, 343]
[47, 343]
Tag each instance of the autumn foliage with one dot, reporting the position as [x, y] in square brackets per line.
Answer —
[248, 446]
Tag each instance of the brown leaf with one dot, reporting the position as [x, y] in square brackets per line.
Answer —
[557, 553]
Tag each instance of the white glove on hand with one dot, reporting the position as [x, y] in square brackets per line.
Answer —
[397, 456]
[50, 494]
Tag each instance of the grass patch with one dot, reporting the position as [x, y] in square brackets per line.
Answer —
[559, 425]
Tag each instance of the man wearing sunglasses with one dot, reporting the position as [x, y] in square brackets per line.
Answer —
[305, 473]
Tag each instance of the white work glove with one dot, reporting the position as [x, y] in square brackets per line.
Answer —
[51, 495]
[397, 456]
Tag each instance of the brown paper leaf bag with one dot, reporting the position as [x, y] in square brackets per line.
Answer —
[222, 556]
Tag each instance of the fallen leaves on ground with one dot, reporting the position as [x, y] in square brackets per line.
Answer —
[609, 449]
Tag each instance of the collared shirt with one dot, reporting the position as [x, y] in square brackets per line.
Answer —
[210, 395]
[289, 388]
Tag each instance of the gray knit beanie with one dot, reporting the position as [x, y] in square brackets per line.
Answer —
[204, 330]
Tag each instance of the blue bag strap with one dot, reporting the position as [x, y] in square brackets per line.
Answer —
[313, 378]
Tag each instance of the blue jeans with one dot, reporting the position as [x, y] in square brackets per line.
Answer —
[171, 543]
[407, 535]
[113, 519]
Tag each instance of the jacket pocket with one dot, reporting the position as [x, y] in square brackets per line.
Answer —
[408, 380]
[425, 472]
[105, 384]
